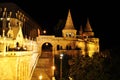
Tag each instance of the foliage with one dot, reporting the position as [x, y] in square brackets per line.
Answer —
[87, 68]
[102, 66]
[115, 70]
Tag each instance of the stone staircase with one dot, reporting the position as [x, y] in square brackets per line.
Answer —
[43, 67]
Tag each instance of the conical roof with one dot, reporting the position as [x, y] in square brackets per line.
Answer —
[88, 27]
[69, 22]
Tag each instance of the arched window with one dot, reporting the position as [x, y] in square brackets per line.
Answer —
[59, 47]
[68, 47]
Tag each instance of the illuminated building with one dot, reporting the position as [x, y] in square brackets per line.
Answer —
[70, 40]
[49, 45]
[18, 54]
[13, 13]
[69, 43]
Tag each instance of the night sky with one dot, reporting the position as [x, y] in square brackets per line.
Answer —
[104, 16]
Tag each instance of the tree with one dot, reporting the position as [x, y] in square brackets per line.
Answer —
[104, 65]
[115, 70]
[87, 68]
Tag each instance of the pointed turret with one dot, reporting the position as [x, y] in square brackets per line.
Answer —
[88, 30]
[69, 30]
[88, 27]
[69, 22]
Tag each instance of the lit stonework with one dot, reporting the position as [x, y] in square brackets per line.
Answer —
[69, 30]
[27, 66]
[85, 42]
[18, 55]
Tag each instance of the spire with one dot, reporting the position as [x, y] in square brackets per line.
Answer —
[69, 22]
[88, 30]
[88, 26]
[69, 30]
[81, 30]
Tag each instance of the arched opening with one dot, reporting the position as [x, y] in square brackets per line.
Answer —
[68, 47]
[46, 50]
[59, 47]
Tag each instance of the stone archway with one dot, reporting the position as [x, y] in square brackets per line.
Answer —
[45, 62]
[46, 50]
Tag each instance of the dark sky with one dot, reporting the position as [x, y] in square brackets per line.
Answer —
[104, 16]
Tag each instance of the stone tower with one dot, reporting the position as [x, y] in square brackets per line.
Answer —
[69, 30]
[88, 30]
